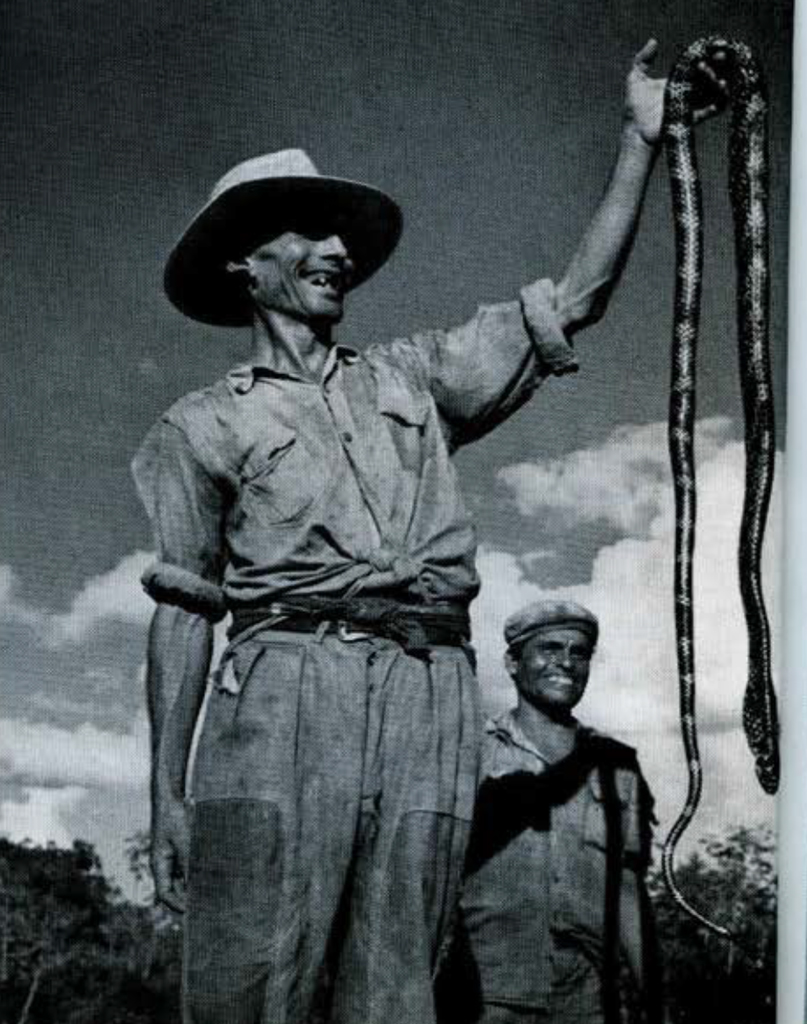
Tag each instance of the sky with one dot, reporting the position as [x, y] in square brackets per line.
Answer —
[495, 127]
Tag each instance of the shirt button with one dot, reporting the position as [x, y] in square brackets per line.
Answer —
[347, 437]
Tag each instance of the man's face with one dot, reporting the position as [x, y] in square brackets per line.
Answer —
[304, 277]
[551, 670]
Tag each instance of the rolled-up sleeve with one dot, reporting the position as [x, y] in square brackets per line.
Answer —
[481, 372]
[183, 502]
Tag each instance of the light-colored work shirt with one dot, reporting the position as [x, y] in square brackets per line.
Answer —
[273, 484]
[534, 910]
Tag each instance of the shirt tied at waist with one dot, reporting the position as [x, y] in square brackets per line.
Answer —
[417, 628]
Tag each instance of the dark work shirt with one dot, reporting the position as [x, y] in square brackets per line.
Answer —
[544, 888]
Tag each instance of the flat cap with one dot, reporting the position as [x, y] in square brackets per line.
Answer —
[545, 614]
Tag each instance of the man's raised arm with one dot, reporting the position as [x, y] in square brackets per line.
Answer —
[582, 294]
[482, 371]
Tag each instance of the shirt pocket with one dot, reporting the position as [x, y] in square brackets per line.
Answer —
[401, 405]
[405, 414]
[282, 477]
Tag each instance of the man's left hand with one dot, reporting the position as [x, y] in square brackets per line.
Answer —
[644, 96]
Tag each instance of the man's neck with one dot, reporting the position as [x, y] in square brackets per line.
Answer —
[289, 346]
[553, 735]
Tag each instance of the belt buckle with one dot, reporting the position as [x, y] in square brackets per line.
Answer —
[348, 635]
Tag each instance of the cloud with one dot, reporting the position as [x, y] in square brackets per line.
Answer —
[38, 817]
[116, 594]
[112, 596]
[634, 690]
[622, 482]
[43, 755]
[59, 784]
[74, 740]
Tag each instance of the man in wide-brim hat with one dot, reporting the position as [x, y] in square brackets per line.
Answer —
[310, 495]
[259, 200]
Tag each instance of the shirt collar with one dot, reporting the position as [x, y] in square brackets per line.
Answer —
[505, 727]
[338, 356]
[242, 378]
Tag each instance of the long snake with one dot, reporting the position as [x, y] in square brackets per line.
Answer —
[748, 185]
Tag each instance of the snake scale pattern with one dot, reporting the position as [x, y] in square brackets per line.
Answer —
[748, 185]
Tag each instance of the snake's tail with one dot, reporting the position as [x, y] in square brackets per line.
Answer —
[668, 870]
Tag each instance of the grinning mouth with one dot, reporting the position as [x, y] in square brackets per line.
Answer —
[332, 280]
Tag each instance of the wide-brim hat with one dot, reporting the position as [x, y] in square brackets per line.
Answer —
[258, 200]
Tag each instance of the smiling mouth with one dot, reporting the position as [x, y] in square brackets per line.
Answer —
[332, 281]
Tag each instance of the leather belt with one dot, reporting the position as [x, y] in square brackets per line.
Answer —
[417, 629]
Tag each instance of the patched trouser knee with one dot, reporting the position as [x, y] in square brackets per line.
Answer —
[235, 885]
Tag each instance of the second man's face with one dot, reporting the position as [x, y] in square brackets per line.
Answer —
[552, 668]
[305, 278]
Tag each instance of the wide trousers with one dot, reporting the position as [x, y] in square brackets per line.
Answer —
[333, 787]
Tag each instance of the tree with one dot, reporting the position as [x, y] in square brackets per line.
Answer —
[733, 881]
[53, 902]
[72, 950]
